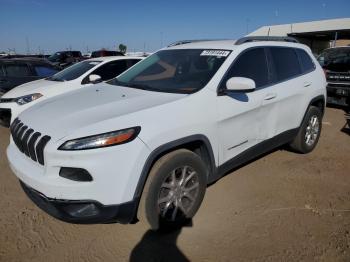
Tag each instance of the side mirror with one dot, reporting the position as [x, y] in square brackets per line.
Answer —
[321, 60]
[240, 84]
[94, 79]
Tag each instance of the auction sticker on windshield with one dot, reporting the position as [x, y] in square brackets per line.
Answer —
[223, 53]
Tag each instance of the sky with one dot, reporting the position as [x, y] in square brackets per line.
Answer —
[52, 25]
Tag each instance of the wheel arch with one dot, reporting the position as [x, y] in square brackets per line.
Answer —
[198, 144]
[319, 102]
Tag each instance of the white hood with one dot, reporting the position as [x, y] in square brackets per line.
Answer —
[39, 86]
[66, 114]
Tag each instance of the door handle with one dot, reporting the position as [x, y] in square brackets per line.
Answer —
[306, 84]
[270, 96]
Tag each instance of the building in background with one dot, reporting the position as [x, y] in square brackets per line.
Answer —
[318, 35]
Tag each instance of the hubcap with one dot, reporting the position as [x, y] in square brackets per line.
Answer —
[312, 131]
[178, 193]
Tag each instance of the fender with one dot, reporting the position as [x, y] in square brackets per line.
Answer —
[315, 99]
[161, 150]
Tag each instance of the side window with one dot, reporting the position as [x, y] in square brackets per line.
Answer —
[306, 62]
[17, 70]
[1, 71]
[44, 71]
[111, 69]
[132, 62]
[251, 64]
[286, 62]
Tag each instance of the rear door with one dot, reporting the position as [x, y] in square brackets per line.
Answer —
[282, 100]
[239, 112]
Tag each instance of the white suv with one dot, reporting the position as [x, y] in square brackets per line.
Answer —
[146, 144]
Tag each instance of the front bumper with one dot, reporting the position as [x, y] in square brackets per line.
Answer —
[338, 94]
[83, 211]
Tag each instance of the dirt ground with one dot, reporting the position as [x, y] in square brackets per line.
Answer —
[282, 207]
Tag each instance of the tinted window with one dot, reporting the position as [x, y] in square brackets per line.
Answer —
[17, 70]
[75, 54]
[336, 59]
[286, 62]
[306, 62]
[74, 71]
[111, 69]
[132, 62]
[251, 64]
[44, 71]
[1, 71]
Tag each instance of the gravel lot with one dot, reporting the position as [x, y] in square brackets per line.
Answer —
[282, 207]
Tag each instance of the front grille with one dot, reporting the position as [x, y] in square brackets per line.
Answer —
[7, 100]
[29, 142]
[338, 77]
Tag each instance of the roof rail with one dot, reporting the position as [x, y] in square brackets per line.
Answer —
[249, 39]
[182, 42]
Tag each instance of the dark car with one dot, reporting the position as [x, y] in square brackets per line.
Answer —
[64, 59]
[336, 64]
[101, 53]
[17, 71]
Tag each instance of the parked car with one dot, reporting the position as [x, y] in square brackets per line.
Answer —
[17, 71]
[82, 74]
[146, 144]
[64, 59]
[101, 53]
[336, 64]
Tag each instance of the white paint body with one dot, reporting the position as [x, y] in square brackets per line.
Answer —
[50, 88]
[163, 117]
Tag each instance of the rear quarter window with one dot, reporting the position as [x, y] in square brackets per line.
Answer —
[306, 62]
[286, 62]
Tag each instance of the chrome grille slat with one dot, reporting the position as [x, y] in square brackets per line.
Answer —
[25, 141]
[29, 142]
[31, 145]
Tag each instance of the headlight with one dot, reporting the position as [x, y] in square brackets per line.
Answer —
[102, 140]
[28, 98]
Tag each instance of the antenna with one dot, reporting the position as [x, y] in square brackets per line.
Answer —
[27, 45]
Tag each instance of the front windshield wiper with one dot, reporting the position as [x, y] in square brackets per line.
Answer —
[54, 79]
[135, 85]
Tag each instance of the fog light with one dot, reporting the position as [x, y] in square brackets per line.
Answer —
[75, 174]
[82, 210]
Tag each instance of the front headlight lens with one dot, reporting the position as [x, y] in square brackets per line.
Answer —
[102, 140]
[28, 98]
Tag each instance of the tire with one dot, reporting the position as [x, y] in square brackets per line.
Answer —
[163, 194]
[309, 131]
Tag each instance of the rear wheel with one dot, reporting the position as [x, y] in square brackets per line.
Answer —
[309, 132]
[174, 190]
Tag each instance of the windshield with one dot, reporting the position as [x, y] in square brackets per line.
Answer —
[337, 59]
[74, 71]
[55, 57]
[174, 71]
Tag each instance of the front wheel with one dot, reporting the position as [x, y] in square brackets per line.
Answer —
[309, 132]
[174, 190]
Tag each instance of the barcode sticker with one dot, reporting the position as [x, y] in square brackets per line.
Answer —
[215, 53]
